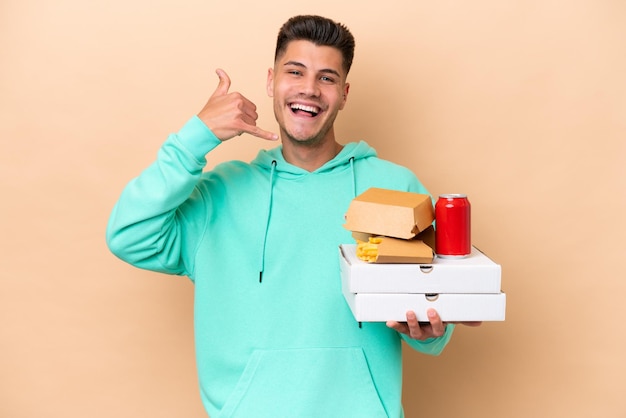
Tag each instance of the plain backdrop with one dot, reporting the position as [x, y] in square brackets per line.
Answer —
[519, 104]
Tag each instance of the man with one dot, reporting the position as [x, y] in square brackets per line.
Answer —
[274, 337]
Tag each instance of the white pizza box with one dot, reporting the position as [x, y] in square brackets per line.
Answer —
[382, 307]
[476, 273]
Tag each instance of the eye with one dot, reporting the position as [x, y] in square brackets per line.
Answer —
[294, 72]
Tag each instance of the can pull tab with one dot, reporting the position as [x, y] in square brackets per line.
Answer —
[431, 297]
[426, 268]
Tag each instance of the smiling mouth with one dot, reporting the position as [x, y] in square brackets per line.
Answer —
[298, 108]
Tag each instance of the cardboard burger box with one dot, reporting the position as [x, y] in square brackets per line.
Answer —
[390, 213]
[406, 274]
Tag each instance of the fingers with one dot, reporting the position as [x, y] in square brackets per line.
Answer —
[436, 324]
[223, 85]
[417, 330]
[434, 328]
[420, 330]
[261, 133]
[231, 114]
[401, 327]
[249, 118]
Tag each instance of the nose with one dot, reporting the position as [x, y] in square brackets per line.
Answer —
[309, 86]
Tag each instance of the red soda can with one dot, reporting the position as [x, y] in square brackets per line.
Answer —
[453, 226]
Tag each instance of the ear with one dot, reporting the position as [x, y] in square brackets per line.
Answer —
[270, 82]
[346, 90]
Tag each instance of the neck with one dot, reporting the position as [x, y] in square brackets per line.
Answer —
[310, 157]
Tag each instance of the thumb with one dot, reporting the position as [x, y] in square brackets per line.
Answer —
[223, 85]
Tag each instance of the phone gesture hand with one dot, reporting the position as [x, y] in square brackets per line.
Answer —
[230, 114]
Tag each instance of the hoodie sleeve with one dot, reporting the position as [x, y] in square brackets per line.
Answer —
[145, 226]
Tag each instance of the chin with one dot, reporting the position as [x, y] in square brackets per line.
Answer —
[304, 141]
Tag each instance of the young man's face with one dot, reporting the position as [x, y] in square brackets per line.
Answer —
[308, 84]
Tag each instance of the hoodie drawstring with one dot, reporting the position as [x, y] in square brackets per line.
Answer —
[353, 176]
[354, 195]
[267, 219]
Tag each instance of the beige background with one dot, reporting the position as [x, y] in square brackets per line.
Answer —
[519, 104]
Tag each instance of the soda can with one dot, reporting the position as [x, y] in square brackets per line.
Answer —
[453, 226]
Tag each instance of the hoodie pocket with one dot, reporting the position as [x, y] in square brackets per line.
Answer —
[316, 382]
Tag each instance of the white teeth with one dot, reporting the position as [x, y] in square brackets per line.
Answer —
[310, 109]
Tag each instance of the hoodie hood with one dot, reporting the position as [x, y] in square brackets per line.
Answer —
[278, 167]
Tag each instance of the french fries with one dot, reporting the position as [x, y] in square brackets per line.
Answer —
[368, 250]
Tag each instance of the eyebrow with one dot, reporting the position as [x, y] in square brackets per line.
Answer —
[325, 70]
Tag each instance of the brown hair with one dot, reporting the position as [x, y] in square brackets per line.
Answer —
[319, 30]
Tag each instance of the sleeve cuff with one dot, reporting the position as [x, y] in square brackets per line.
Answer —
[198, 138]
[432, 346]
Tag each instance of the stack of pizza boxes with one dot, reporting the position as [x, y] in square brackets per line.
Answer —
[393, 268]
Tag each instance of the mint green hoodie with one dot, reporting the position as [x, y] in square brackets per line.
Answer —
[274, 336]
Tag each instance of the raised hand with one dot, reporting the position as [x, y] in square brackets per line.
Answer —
[230, 114]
